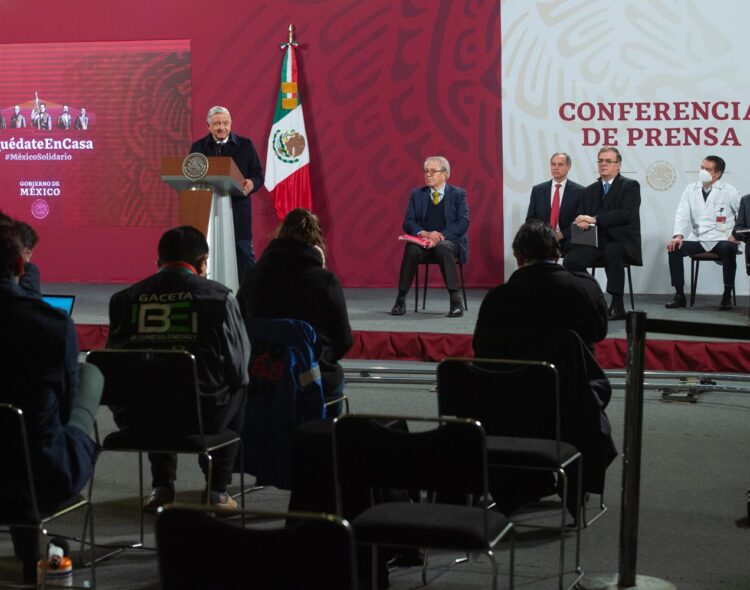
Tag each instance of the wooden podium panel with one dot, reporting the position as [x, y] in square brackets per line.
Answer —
[195, 208]
[206, 205]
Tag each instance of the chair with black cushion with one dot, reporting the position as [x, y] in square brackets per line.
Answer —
[19, 507]
[518, 403]
[585, 392]
[285, 391]
[374, 453]
[302, 552]
[427, 264]
[695, 261]
[628, 264]
[156, 383]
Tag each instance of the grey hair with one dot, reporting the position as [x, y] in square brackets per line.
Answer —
[444, 164]
[217, 111]
[568, 161]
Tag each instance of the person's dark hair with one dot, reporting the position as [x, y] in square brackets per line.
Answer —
[303, 225]
[29, 237]
[11, 248]
[536, 241]
[720, 164]
[182, 244]
[609, 148]
[5, 219]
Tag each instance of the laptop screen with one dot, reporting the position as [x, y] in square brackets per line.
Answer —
[64, 302]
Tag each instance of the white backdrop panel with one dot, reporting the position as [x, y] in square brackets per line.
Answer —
[564, 60]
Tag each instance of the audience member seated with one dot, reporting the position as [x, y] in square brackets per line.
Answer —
[59, 397]
[290, 281]
[178, 307]
[543, 295]
[30, 281]
[438, 213]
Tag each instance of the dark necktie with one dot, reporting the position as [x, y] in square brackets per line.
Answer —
[705, 194]
[554, 215]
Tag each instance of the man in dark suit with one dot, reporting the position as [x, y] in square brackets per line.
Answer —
[556, 201]
[612, 204]
[438, 213]
[221, 141]
[742, 225]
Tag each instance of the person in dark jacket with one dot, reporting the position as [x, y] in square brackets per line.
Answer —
[178, 307]
[290, 281]
[59, 398]
[222, 141]
[543, 295]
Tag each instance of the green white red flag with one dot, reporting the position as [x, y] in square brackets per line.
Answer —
[288, 158]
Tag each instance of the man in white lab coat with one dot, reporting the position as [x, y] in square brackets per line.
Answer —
[707, 212]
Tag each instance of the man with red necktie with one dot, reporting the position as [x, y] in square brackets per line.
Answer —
[555, 202]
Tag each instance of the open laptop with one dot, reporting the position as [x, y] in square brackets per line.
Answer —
[64, 302]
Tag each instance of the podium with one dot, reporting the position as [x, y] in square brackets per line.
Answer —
[206, 204]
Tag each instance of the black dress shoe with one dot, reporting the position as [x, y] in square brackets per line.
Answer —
[615, 313]
[456, 310]
[726, 303]
[399, 309]
[677, 301]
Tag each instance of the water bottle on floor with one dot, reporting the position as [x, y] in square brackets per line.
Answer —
[59, 567]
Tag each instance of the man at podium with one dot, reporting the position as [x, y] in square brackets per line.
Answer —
[222, 142]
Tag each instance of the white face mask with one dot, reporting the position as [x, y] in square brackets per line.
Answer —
[704, 177]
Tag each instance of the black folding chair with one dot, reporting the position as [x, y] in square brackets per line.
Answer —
[306, 552]
[158, 383]
[518, 403]
[371, 455]
[21, 509]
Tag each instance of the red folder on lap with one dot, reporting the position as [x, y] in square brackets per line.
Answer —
[424, 242]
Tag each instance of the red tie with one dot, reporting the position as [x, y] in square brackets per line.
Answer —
[554, 215]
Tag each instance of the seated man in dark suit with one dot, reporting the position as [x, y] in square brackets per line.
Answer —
[178, 307]
[556, 201]
[438, 213]
[59, 397]
[543, 295]
[612, 204]
[741, 229]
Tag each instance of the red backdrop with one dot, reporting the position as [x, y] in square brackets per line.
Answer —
[385, 83]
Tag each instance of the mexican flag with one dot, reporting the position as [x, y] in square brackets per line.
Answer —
[288, 159]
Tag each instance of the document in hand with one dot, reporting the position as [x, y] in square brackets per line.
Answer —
[424, 242]
[584, 237]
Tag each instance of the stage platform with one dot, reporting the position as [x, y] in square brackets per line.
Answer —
[430, 335]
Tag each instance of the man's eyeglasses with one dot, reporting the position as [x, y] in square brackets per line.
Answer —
[430, 172]
[601, 161]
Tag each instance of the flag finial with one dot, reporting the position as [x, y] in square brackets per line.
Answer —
[292, 28]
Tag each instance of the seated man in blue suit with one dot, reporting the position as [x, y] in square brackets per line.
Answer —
[438, 213]
[555, 202]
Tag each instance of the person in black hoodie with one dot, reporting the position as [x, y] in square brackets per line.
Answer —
[290, 281]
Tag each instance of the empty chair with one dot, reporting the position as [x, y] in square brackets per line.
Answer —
[307, 552]
[371, 455]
